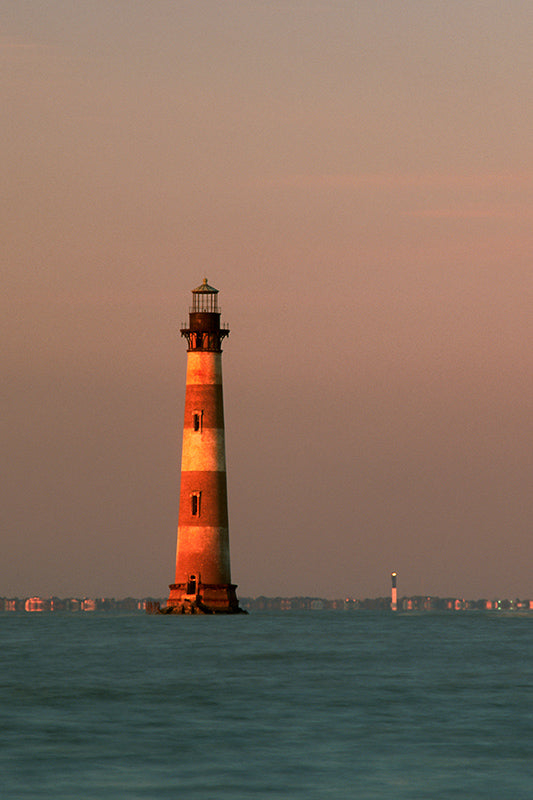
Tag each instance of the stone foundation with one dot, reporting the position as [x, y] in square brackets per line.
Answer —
[209, 599]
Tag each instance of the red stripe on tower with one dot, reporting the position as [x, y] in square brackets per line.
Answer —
[203, 576]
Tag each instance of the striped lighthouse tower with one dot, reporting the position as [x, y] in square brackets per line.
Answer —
[394, 592]
[203, 577]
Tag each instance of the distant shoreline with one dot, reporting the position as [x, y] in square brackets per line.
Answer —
[406, 604]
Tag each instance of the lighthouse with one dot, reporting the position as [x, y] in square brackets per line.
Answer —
[394, 592]
[203, 575]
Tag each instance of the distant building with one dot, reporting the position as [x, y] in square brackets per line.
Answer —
[34, 604]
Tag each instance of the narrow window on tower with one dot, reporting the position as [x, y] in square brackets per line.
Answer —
[197, 420]
[195, 504]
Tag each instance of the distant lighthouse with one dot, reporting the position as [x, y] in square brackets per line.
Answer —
[394, 592]
[203, 576]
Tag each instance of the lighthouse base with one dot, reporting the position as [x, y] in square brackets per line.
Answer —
[210, 598]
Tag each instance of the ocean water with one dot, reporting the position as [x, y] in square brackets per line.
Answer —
[315, 705]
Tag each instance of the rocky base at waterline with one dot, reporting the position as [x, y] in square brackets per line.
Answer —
[189, 607]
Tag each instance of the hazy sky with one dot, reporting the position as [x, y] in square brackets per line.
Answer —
[357, 180]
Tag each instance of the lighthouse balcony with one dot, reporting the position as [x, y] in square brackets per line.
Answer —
[204, 339]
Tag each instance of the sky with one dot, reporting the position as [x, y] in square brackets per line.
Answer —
[356, 178]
